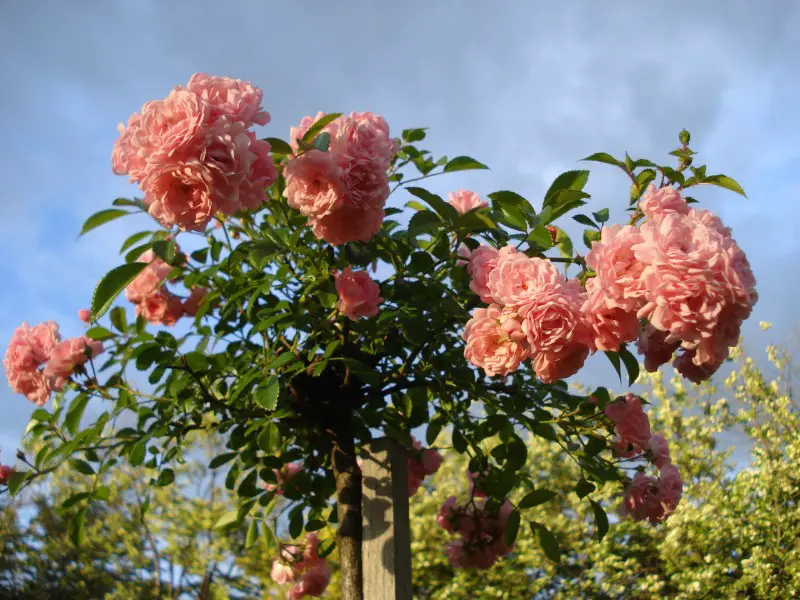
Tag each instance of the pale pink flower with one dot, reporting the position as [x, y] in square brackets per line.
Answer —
[314, 184]
[85, 315]
[630, 424]
[150, 280]
[359, 295]
[34, 385]
[171, 128]
[313, 582]
[281, 572]
[465, 201]
[671, 488]
[610, 327]
[30, 346]
[552, 366]
[642, 499]
[447, 518]
[296, 133]
[482, 262]
[495, 340]
[517, 279]
[656, 348]
[161, 307]
[364, 135]
[348, 224]
[181, 194]
[283, 476]
[660, 450]
[192, 304]
[618, 269]
[233, 98]
[552, 318]
[656, 203]
[69, 355]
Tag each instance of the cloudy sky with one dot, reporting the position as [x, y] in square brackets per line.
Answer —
[528, 88]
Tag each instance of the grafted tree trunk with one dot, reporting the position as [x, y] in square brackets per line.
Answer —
[348, 497]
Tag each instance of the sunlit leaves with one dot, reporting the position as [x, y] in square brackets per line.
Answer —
[111, 285]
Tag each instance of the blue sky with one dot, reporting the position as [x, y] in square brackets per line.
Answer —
[528, 88]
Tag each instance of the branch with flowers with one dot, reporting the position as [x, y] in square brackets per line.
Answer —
[316, 316]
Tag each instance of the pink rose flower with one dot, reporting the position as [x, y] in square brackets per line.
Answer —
[552, 318]
[660, 450]
[314, 184]
[447, 517]
[161, 308]
[465, 201]
[482, 262]
[283, 476]
[610, 326]
[348, 224]
[618, 269]
[364, 135]
[192, 304]
[312, 583]
[630, 424]
[85, 315]
[696, 373]
[181, 194]
[431, 461]
[28, 350]
[656, 203]
[654, 346]
[5, 474]
[554, 365]
[67, 356]
[517, 279]
[474, 484]
[359, 296]
[281, 572]
[671, 488]
[495, 340]
[239, 100]
[642, 499]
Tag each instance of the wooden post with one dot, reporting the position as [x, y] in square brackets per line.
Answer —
[386, 549]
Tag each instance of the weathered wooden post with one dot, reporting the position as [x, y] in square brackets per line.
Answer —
[386, 549]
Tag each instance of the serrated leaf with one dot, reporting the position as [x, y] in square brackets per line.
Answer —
[111, 285]
[442, 208]
[99, 333]
[463, 163]
[725, 182]
[536, 497]
[601, 519]
[281, 360]
[424, 221]
[267, 395]
[101, 217]
[75, 413]
[569, 180]
[510, 216]
[603, 157]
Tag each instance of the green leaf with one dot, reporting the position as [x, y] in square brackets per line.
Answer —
[101, 493]
[726, 182]
[508, 198]
[278, 146]
[562, 202]
[267, 395]
[631, 364]
[136, 455]
[684, 137]
[296, 522]
[614, 358]
[81, 466]
[322, 141]
[133, 239]
[99, 218]
[226, 520]
[281, 360]
[166, 477]
[547, 541]
[512, 528]
[590, 236]
[15, 482]
[119, 319]
[128, 202]
[74, 499]
[536, 497]
[463, 163]
[252, 534]
[111, 285]
[442, 208]
[41, 414]
[584, 220]
[76, 527]
[600, 518]
[315, 525]
[75, 413]
[318, 126]
[541, 237]
[424, 221]
[99, 333]
[220, 460]
[414, 135]
[326, 547]
[584, 488]
[601, 216]
[603, 157]
[459, 443]
[510, 216]
[570, 180]
[433, 430]
[267, 438]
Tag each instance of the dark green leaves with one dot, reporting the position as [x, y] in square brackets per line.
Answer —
[442, 208]
[600, 518]
[111, 285]
[76, 527]
[99, 218]
[726, 182]
[512, 528]
[631, 364]
[424, 221]
[463, 163]
[536, 497]
[547, 541]
[570, 180]
[279, 146]
[603, 157]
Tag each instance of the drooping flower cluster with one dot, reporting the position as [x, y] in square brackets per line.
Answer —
[421, 463]
[283, 476]
[38, 362]
[681, 271]
[482, 532]
[359, 295]
[343, 189]
[652, 498]
[193, 154]
[153, 300]
[302, 566]
[534, 313]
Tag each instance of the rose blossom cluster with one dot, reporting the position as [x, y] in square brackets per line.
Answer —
[683, 273]
[193, 154]
[680, 271]
[652, 498]
[283, 476]
[304, 567]
[342, 191]
[482, 533]
[421, 463]
[38, 362]
[359, 295]
[153, 300]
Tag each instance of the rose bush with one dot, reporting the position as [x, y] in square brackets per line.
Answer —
[299, 356]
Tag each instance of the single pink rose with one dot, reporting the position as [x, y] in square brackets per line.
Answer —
[630, 424]
[161, 308]
[348, 224]
[642, 499]
[618, 270]
[181, 194]
[517, 279]
[495, 340]
[312, 583]
[552, 318]
[69, 355]
[610, 326]
[228, 97]
[359, 296]
[552, 366]
[364, 135]
[465, 201]
[660, 450]
[281, 572]
[431, 461]
[192, 304]
[671, 488]
[656, 203]
[482, 262]
[447, 518]
[34, 385]
[314, 184]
